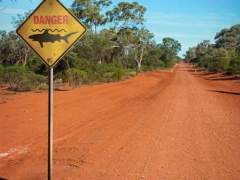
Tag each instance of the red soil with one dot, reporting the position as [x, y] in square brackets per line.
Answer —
[164, 125]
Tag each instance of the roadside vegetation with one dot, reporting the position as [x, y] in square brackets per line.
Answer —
[222, 56]
[116, 46]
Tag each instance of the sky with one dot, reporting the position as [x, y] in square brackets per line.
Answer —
[188, 21]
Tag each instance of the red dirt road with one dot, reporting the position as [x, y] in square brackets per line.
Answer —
[168, 125]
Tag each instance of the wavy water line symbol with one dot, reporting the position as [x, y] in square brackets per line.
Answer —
[51, 30]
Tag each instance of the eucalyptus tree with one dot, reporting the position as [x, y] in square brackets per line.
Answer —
[12, 49]
[170, 48]
[144, 39]
[238, 46]
[127, 19]
[91, 12]
[98, 48]
[20, 18]
[126, 14]
[191, 54]
[228, 38]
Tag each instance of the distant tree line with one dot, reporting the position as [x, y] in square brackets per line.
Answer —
[222, 56]
[117, 45]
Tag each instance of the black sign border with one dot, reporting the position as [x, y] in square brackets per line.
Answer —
[68, 49]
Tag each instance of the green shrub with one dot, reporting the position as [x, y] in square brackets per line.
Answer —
[147, 68]
[13, 76]
[223, 63]
[115, 74]
[1, 68]
[20, 79]
[211, 64]
[108, 76]
[35, 64]
[42, 86]
[215, 64]
[75, 77]
[130, 73]
[1, 73]
[170, 63]
[234, 66]
[110, 72]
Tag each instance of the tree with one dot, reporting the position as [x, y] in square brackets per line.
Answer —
[238, 46]
[170, 47]
[202, 48]
[223, 56]
[133, 41]
[102, 55]
[90, 12]
[153, 58]
[20, 18]
[143, 41]
[24, 51]
[12, 49]
[97, 48]
[228, 38]
[127, 14]
[191, 54]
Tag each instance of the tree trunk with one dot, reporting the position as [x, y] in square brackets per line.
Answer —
[139, 65]
[67, 63]
[25, 59]
[95, 27]
[140, 59]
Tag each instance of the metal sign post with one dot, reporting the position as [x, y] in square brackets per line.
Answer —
[51, 30]
[50, 122]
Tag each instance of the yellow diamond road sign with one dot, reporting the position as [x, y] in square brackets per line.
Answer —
[51, 30]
